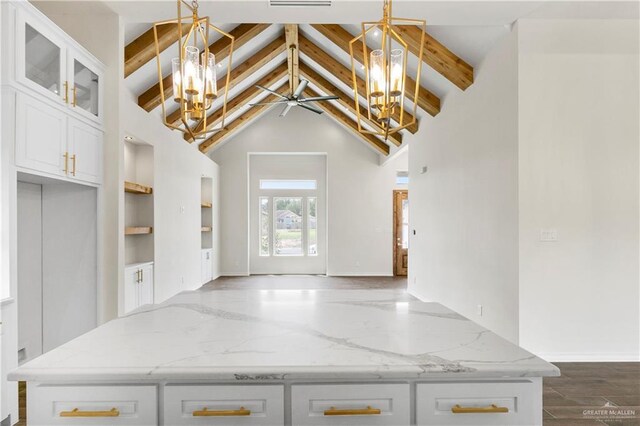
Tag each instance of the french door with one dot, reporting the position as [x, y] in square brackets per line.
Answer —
[287, 214]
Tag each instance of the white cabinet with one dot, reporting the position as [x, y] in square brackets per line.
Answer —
[224, 405]
[138, 285]
[51, 141]
[480, 403]
[50, 63]
[85, 151]
[206, 265]
[41, 136]
[342, 404]
[92, 405]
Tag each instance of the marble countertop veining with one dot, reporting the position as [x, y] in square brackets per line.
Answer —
[231, 335]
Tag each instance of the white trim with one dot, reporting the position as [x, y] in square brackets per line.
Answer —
[360, 274]
[233, 274]
[589, 357]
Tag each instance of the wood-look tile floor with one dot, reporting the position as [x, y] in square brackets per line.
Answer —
[613, 387]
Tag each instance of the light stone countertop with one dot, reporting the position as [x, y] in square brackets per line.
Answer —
[262, 335]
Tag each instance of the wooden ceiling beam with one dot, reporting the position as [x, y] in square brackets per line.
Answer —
[348, 122]
[242, 34]
[345, 100]
[342, 73]
[244, 70]
[341, 38]
[437, 56]
[241, 121]
[243, 98]
[291, 35]
[142, 49]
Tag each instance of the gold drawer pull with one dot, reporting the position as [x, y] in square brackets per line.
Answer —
[493, 408]
[333, 411]
[77, 413]
[205, 412]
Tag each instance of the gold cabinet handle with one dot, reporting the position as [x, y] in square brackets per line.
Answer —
[493, 408]
[74, 96]
[66, 163]
[73, 161]
[205, 412]
[66, 92]
[369, 411]
[141, 275]
[114, 412]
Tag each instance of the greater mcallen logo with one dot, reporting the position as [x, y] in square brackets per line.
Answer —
[609, 412]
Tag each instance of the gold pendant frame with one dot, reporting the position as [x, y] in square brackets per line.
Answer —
[392, 110]
[198, 32]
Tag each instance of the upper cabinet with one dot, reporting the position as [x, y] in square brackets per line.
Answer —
[50, 63]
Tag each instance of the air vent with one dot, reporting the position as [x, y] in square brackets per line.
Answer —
[299, 3]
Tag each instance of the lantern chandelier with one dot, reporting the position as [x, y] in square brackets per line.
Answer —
[193, 83]
[385, 73]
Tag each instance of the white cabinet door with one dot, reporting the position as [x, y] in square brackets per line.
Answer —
[224, 405]
[370, 404]
[206, 265]
[487, 403]
[86, 85]
[131, 278]
[92, 405]
[145, 287]
[85, 151]
[41, 136]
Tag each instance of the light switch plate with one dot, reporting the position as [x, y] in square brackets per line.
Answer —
[548, 235]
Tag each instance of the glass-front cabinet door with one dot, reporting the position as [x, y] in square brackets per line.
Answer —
[85, 86]
[40, 59]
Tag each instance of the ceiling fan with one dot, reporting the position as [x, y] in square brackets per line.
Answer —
[295, 99]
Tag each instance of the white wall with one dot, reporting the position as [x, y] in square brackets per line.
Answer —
[578, 90]
[178, 168]
[465, 208]
[359, 195]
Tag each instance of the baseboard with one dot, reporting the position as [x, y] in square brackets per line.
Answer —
[359, 274]
[233, 274]
[590, 357]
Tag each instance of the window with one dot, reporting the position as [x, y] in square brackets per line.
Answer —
[264, 226]
[405, 224]
[287, 240]
[402, 178]
[312, 227]
[287, 184]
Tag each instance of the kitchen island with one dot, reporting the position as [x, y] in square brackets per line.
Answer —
[287, 357]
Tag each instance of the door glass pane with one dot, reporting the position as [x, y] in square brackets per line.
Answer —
[42, 60]
[86, 86]
[288, 226]
[312, 226]
[405, 224]
[264, 226]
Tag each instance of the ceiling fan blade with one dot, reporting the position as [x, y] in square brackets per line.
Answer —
[311, 108]
[270, 103]
[285, 110]
[319, 98]
[300, 89]
[273, 92]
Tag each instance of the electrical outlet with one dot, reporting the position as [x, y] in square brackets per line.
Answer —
[479, 310]
[182, 280]
[357, 263]
[182, 209]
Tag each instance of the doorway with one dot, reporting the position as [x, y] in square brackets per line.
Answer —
[287, 214]
[400, 232]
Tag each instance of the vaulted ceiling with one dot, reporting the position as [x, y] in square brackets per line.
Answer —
[261, 57]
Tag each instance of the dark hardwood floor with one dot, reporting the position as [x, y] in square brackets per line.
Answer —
[594, 393]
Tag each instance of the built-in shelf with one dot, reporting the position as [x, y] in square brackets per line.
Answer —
[136, 188]
[206, 205]
[138, 230]
[206, 229]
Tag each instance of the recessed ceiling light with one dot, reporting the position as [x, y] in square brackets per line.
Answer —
[128, 138]
[376, 33]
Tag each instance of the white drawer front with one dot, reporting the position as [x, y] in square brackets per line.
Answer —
[92, 405]
[382, 404]
[479, 403]
[224, 405]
